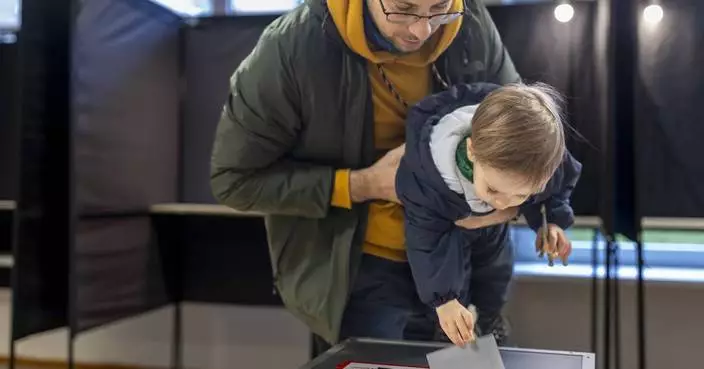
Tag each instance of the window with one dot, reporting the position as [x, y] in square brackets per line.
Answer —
[187, 8]
[263, 7]
[10, 20]
[668, 254]
[10, 15]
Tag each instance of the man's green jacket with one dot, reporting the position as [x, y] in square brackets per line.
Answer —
[299, 108]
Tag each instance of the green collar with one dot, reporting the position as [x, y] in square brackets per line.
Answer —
[463, 162]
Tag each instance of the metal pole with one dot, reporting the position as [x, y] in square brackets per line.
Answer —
[640, 310]
[177, 338]
[595, 290]
[607, 304]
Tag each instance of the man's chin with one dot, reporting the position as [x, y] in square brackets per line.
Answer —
[408, 47]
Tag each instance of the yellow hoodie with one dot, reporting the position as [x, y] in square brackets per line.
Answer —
[411, 77]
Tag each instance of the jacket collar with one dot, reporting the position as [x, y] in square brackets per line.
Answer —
[319, 9]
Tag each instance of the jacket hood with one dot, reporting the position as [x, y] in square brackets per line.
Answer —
[421, 120]
[317, 7]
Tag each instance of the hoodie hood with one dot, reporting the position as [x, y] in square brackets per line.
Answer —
[348, 16]
[445, 137]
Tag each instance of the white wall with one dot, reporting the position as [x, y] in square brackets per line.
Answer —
[215, 337]
[545, 313]
[556, 314]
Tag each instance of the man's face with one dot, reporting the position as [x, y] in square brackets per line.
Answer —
[405, 33]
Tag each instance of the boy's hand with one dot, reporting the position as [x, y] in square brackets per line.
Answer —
[496, 217]
[558, 245]
[457, 322]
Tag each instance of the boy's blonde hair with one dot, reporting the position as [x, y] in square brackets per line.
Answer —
[519, 128]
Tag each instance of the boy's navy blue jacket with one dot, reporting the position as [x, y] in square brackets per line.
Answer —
[434, 243]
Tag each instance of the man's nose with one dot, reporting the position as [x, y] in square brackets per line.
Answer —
[421, 29]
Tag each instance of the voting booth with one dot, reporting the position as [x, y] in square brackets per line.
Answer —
[107, 148]
[387, 354]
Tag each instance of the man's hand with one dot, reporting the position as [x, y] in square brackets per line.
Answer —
[457, 322]
[497, 217]
[378, 182]
[558, 245]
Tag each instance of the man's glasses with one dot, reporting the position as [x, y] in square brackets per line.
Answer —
[408, 19]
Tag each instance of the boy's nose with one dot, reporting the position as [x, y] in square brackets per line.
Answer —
[500, 204]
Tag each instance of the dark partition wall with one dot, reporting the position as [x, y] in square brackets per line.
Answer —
[219, 259]
[9, 149]
[127, 92]
[119, 271]
[213, 49]
[9, 123]
[669, 115]
[40, 273]
[561, 54]
[127, 95]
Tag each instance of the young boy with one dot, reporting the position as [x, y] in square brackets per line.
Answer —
[476, 157]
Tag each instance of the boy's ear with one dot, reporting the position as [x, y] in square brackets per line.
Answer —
[470, 150]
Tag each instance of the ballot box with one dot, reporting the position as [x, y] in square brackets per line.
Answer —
[387, 354]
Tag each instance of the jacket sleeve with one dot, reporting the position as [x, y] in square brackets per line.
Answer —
[501, 69]
[259, 125]
[433, 245]
[557, 204]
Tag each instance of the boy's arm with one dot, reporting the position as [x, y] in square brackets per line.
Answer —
[558, 208]
[482, 221]
[436, 259]
[433, 243]
[436, 256]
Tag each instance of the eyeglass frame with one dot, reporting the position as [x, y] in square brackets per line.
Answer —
[418, 17]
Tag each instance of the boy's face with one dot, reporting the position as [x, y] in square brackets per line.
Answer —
[500, 189]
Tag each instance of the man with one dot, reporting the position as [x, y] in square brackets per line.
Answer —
[321, 97]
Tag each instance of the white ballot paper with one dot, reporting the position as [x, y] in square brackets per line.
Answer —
[482, 354]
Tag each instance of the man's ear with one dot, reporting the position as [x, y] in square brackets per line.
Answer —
[470, 150]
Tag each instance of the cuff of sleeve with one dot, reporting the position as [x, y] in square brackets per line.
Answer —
[341, 190]
[534, 223]
[441, 300]
[564, 222]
